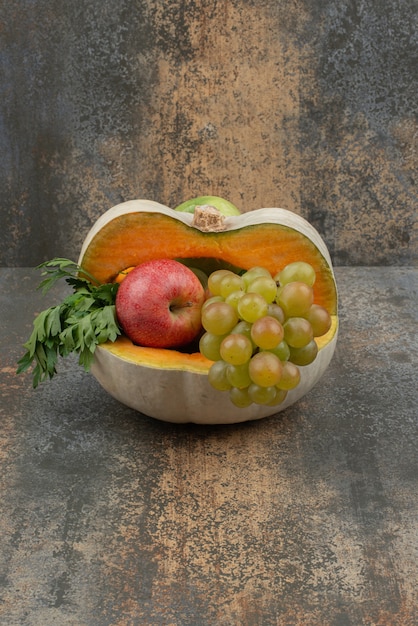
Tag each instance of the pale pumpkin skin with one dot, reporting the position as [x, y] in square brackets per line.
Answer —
[180, 396]
[173, 387]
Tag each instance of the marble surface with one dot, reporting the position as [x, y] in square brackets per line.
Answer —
[108, 517]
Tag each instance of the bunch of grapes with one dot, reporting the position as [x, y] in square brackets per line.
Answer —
[259, 329]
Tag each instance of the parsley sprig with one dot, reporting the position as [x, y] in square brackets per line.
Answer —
[83, 320]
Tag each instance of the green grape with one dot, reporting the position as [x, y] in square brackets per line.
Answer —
[319, 319]
[253, 273]
[215, 279]
[234, 297]
[238, 375]
[252, 306]
[217, 376]
[267, 332]
[244, 328]
[209, 345]
[279, 291]
[219, 318]
[279, 397]
[295, 298]
[282, 351]
[236, 349]
[240, 397]
[265, 369]
[262, 395]
[305, 355]
[297, 271]
[290, 376]
[211, 300]
[229, 283]
[265, 286]
[297, 332]
[274, 310]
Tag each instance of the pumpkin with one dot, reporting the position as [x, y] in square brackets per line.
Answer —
[171, 385]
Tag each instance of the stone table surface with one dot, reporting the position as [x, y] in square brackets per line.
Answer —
[109, 517]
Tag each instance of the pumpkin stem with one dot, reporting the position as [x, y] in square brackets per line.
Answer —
[208, 219]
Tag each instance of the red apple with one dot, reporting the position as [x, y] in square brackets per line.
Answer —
[159, 304]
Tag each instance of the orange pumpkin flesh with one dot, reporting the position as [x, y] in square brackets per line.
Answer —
[133, 238]
[159, 357]
[146, 378]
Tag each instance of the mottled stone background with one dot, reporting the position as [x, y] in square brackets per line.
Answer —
[309, 105]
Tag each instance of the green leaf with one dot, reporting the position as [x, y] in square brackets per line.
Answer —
[107, 292]
[53, 322]
[86, 359]
[24, 363]
[67, 340]
[82, 320]
[59, 268]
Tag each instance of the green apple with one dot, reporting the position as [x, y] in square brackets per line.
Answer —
[224, 206]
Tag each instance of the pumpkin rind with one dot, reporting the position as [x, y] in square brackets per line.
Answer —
[145, 379]
[150, 389]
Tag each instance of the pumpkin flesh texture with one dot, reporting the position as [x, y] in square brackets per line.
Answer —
[145, 378]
